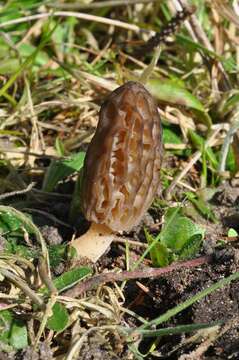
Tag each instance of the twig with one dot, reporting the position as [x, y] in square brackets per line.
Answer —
[131, 242]
[18, 192]
[28, 153]
[100, 4]
[49, 216]
[127, 275]
[51, 194]
[78, 15]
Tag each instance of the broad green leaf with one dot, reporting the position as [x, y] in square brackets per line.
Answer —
[69, 278]
[194, 46]
[13, 331]
[178, 230]
[18, 335]
[170, 91]
[159, 254]
[59, 319]
[27, 49]
[9, 66]
[9, 222]
[5, 325]
[191, 247]
[232, 233]
[61, 169]
[170, 137]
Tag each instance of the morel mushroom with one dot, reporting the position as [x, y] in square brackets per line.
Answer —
[121, 169]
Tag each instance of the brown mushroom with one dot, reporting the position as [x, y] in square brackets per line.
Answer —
[121, 169]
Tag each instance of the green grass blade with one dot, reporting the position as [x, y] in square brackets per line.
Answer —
[177, 329]
[177, 309]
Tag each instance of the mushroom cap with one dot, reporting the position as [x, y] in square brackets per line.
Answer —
[121, 169]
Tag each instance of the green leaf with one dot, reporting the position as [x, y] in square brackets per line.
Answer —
[69, 279]
[57, 253]
[26, 50]
[59, 147]
[60, 169]
[231, 164]
[59, 319]
[199, 144]
[180, 329]
[18, 335]
[191, 247]
[170, 91]
[9, 66]
[203, 208]
[170, 137]
[13, 247]
[173, 92]
[159, 253]
[5, 325]
[13, 331]
[9, 222]
[178, 230]
[27, 224]
[232, 233]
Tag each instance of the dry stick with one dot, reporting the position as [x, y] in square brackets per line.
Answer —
[100, 4]
[26, 152]
[195, 158]
[127, 275]
[78, 15]
[18, 192]
[49, 216]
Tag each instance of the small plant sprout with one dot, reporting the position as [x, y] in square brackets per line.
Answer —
[121, 169]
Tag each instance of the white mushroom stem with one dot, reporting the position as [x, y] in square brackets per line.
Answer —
[94, 243]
